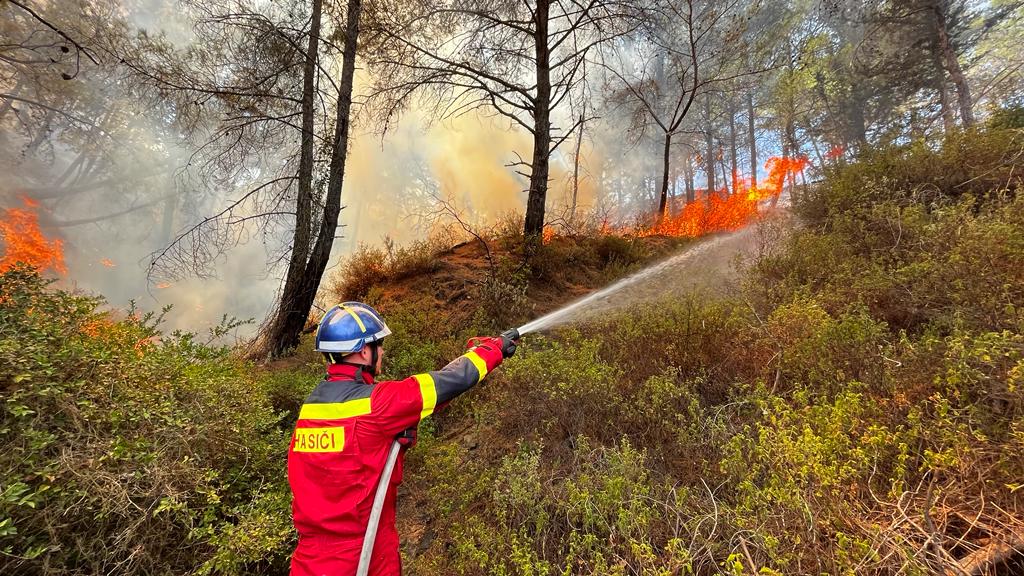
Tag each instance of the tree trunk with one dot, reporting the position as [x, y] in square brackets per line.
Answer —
[734, 156]
[167, 225]
[59, 181]
[42, 133]
[304, 201]
[956, 72]
[858, 122]
[725, 170]
[663, 201]
[817, 150]
[534, 224]
[916, 130]
[297, 299]
[7, 103]
[688, 174]
[709, 142]
[752, 136]
[948, 119]
[302, 235]
[576, 171]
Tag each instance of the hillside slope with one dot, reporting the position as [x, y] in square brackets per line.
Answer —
[855, 405]
[855, 409]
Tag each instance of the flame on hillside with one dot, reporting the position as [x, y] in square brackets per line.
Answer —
[24, 242]
[723, 212]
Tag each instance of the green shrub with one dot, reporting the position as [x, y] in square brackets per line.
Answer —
[1007, 118]
[974, 162]
[911, 267]
[562, 390]
[503, 297]
[694, 334]
[615, 250]
[865, 384]
[810, 349]
[125, 449]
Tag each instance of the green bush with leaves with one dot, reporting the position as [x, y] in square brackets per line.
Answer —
[972, 162]
[857, 409]
[127, 450]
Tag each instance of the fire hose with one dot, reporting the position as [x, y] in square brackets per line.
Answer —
[382, 491]
[378, 505]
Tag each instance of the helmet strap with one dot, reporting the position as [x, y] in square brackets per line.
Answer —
[374, 356]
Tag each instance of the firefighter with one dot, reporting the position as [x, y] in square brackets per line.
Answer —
[345, 429]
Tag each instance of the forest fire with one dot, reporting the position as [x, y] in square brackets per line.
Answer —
[24, 242]
[721, 211]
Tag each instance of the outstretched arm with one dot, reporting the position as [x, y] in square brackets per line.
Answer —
[402, 404]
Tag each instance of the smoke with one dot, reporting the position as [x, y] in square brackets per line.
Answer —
[149, 191]
[393, 184]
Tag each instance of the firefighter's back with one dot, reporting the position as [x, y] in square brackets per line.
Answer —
[334, 462]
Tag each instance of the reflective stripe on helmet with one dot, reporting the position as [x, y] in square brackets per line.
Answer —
[356, 316]
[343, 346]
[429, 393]
[348, 346]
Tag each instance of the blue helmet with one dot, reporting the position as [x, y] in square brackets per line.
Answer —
[348, 327]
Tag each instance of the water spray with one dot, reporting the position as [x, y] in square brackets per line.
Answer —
[602, 298]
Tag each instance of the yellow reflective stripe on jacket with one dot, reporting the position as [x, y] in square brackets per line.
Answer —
[429, 393]
[335, 410]
[319, 439]
[481, 366]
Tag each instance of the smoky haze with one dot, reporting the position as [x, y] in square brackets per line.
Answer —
[150, 191]
[116, 178]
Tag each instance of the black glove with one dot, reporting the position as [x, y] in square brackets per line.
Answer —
[407, 437]
[509, 341]
[508, 347]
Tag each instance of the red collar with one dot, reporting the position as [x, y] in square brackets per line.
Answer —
[346, 372]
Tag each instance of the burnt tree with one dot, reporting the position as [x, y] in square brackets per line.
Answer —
[523, 61]
[265, 85]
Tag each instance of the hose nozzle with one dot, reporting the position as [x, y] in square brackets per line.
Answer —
[511, 334]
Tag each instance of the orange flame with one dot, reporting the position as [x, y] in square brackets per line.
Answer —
[548, 234]
[23, 241]
[163, 285]
[721, 211]
[108, 263]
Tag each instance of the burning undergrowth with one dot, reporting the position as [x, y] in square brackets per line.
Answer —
[721, 210]
[24, 242]
[724, 210]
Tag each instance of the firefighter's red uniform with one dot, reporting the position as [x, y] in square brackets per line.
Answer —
[338, 451]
